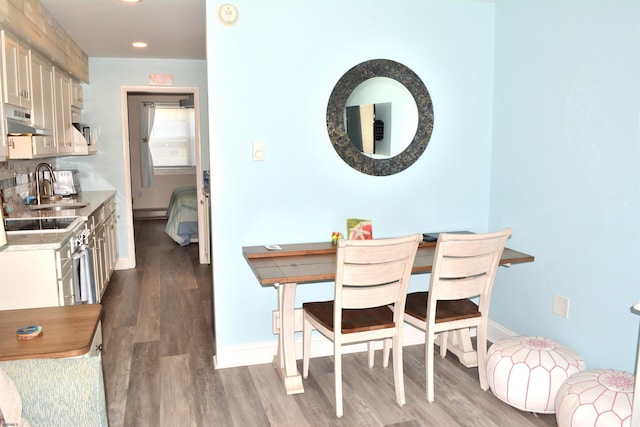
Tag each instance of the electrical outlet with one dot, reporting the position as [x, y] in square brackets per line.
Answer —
[139, 194]
[561, 306]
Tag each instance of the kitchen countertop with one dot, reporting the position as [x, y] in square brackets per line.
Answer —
[54, 240]
[66, 331]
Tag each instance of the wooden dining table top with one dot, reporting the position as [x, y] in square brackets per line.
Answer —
[316, 262]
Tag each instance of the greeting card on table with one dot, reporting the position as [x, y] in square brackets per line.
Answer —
[359, 229]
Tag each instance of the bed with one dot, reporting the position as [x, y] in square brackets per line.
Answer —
[182, 215]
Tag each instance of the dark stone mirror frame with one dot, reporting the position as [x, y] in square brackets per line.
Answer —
[338, 101]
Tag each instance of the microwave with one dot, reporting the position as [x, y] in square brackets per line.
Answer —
[84, 141]
[85, 130]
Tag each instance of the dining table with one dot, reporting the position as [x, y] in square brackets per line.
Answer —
[286, 266]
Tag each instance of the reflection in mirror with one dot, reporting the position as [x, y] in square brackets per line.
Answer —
[408, 130]
[366, 124]
[373, 126]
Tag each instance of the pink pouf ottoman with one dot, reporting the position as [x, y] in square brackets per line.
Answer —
[526, 372]
[597, 397]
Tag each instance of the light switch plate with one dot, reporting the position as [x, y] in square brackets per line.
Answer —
[258, 150]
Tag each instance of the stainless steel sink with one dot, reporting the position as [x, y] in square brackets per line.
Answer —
[59, 206]
[41, 225]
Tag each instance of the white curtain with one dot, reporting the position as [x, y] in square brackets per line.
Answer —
[147, 115]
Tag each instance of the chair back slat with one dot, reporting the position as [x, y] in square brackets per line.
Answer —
[456, 267]
[370, 296]
[371, 251]
[471, 246]
[372, 274]
[465, 287]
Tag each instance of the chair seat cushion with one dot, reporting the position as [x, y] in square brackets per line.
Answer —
[446, 311]
[360, 320]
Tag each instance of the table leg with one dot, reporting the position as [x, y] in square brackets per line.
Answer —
[285, 359]
[459, 343]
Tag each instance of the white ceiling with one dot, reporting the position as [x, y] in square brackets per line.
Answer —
[106, 28]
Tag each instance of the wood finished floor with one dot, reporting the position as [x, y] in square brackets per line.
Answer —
[158, 364]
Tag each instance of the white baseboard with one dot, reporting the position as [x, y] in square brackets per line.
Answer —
[497, 332]
[123, 264]
[263, 352]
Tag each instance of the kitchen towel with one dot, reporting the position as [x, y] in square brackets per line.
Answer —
[83, 270]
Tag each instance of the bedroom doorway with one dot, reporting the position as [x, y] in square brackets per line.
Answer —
[152, 199]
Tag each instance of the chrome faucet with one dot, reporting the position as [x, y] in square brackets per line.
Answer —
[53, 178]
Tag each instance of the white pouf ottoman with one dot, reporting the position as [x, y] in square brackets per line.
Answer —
[526, 372]
[597, 397]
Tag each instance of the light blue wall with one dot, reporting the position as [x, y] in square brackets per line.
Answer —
[566, 171]
[550, 147]
[270, 77]
[103, 109]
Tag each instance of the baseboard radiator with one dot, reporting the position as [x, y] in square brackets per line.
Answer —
[149, 213]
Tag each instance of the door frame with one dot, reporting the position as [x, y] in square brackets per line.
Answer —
[203, 249]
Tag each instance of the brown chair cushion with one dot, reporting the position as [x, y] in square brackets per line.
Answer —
[367, 319]
[445, 310]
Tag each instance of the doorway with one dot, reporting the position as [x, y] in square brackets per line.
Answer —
[130, 136]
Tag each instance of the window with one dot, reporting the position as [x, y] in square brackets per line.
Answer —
[172, 142]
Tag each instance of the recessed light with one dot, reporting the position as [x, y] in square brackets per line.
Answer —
[139, 44]
[130, 1]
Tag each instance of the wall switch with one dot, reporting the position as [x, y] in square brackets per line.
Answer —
[258, 150]
[561, 306]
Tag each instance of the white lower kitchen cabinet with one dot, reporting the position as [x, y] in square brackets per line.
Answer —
[111, 236]
[102, 241]
[37, 269]
[43, 278]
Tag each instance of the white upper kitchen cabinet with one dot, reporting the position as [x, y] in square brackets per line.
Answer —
[42, 83]
[63, 128]
[4, 148]
[77, 100]
[16, 72]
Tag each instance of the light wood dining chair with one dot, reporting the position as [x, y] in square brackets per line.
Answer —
[464, 267]
[370, 275]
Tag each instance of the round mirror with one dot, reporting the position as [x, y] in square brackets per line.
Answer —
[380, 117]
